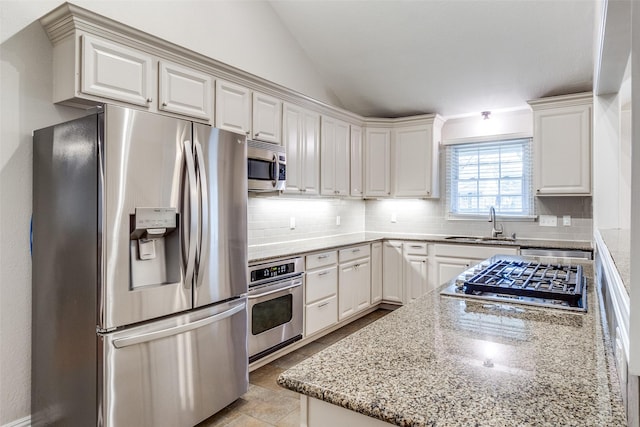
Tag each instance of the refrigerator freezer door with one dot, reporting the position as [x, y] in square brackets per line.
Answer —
[221, 271]
[177, 371]
[143, 167]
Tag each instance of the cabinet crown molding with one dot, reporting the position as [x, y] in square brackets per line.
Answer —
[561, 101]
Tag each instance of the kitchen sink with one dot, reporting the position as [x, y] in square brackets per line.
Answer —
[476, 239]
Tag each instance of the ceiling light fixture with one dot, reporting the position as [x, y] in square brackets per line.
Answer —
[485, 115]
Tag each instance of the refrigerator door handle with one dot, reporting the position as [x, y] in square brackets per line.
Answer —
[193, 221]
[203, 251]
[152, 336]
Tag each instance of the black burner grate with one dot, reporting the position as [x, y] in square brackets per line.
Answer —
[529, 279]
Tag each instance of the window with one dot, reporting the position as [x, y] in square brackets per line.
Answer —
[498, 174]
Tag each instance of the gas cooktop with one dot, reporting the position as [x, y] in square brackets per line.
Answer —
[523, 281]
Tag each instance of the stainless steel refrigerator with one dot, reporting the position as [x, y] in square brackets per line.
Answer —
[139, 271]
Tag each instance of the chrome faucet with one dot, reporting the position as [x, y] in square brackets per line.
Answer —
[496, 229]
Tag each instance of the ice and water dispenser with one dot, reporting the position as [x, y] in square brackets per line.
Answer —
[154, 247]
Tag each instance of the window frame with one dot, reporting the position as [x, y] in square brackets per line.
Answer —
[490, 144]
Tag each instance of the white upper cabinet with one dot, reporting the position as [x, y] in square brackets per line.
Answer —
[415, 169]
[356, 161]
[334, 160]
[185, 91]
[233, 107]
[116, 72]
[301, 130]
[562, 145]
[267, 118]
[377, 165]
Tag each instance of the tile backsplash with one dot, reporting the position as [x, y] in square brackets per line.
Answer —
[270, 219]
[430, 217]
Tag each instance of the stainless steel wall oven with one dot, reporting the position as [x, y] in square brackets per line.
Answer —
[275, 306]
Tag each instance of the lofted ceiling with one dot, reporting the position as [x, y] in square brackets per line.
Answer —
[390, 58]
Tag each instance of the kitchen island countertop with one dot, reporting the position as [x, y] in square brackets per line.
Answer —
[426, 364]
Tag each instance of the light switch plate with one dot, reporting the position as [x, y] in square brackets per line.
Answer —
[337, 219]
[566, 220]
[394, 217]
[292, 222]
[548, 220]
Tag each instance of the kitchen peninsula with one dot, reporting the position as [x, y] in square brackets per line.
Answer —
[443, 361]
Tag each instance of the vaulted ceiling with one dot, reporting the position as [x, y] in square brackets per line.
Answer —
[389, 58]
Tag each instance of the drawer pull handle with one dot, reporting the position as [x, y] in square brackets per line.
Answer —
[417, 246]
[324, 304]
[324, 273]
[355, 250]
[323, 256]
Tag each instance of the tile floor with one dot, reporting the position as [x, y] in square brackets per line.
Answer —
[266, 404]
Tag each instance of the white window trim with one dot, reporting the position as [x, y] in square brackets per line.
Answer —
[532, 216]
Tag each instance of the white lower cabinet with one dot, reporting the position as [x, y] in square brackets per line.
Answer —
[321, 315]
[392, 271]
[451, 260]
[354, 280]
[415, 270]
[376, 272]
[321, 291]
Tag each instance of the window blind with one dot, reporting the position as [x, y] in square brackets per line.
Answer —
[497, 173]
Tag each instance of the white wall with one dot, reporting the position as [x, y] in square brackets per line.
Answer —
[245, 34]
[612, 157]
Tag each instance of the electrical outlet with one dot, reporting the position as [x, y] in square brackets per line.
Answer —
[292, 222]
[548, 221]
[566, 220]
[337, 219]
[394, 217]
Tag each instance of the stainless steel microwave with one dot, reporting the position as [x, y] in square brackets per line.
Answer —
[266, 166]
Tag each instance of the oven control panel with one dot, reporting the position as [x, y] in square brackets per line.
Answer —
[266, 272]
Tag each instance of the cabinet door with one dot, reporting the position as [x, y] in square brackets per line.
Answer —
[185, 91]
[341, 159]
[117, 72]
[267, 118]
[292, 130]
[377, 162]
[310, 169]
[328, 166]
[233, 107]
[392, 271]
[413, 161]
[562, 150]
[376, 272]
[356, 159]
[449, 268]
[415, 277]
[301, 139]
[363, 285]
[347, 289]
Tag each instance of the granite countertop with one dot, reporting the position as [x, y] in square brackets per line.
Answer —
[422, 365]
[300, 247]
[618, 243]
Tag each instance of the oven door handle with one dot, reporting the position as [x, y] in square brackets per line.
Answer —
[295, 284]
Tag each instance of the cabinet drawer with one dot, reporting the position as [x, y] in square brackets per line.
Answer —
[321, 284]
[321, 259]
[321, 314]
[355, 252]
[415, 248]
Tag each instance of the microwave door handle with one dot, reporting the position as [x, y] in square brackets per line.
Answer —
[275, 167]
[193, 207]
[203, 251]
